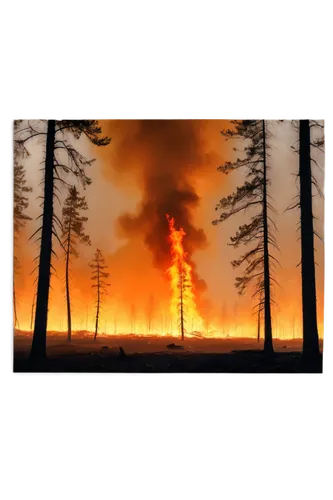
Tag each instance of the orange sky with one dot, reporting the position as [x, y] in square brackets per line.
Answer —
[150, 168]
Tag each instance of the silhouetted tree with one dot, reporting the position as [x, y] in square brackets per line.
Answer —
[181, 306]
[150, 311]
[183, 286]
[309, 306]
[223, 317]
[72, 233]
[258, 325]
[207, 314]
[133, 317]
[252, 195]
[236, 317]
[61, 158]
[32, 311]
[98, 276]
[307, 141]
[87, 315]
[21, 203]
[259, 312]
[293, 326]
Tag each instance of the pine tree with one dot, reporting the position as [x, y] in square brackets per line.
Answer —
[308, 141]
[72, 233]
[183, 288]
[253, 194]
[32, 311]
[258, 325]
[98, 276]
[61, 158]
[21, 203]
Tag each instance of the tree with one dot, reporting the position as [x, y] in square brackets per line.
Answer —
[133, 317]
[236, 317]
[293, 326]
[32, 311]
[259, 314]
[21, 203]
[309, 301]
[183, 286]
[253, 194]
[224, 317]
[258, 324]
[61, 158]
[306, 181]
[98, 276]
[150, 312]
[72, 233]
[180, 273]
[207, 314]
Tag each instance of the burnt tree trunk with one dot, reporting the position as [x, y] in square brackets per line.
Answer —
[268, 341]
[98, 304]
[32, 312]
[38, 349]
[13, 292]
[309, 306]
[86, 318]
[68, 301]
[293, 329]
[181, 305]
[258, 331]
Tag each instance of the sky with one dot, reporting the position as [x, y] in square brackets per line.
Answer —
[155, 167]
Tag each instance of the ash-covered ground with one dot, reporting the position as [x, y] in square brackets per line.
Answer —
[157, 354]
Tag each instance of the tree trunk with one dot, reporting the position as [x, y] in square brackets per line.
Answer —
[68, 301]
[98, 301]
[97, 318]
[309, 306]
[268, 342]
[32, 312]
[15, 310]
[258, 332]
[181, 306]
[38, 349]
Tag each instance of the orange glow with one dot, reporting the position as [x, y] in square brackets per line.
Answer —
[183, 307]
[137, 170]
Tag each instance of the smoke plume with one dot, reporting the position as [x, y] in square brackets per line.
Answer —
[164, 157]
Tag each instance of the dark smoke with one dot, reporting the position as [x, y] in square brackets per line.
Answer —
[164, 156]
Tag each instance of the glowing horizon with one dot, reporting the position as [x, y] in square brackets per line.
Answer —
[135, 181]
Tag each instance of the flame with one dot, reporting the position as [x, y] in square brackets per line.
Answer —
[183, 307]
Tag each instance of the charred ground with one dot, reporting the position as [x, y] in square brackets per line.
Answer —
[156, 354]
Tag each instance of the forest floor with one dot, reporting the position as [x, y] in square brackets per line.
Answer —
[143, 354]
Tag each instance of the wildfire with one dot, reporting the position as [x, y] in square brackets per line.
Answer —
[183, 307]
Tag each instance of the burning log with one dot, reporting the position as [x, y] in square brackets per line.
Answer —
[174, 346]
